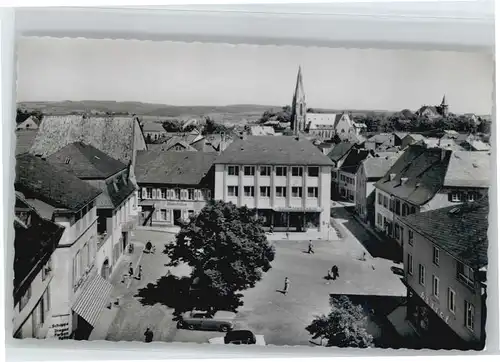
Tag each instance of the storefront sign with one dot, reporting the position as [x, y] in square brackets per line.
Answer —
[176, 203]
[434, 307]
[60, 327]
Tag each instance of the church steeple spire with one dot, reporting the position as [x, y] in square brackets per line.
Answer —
[298, 119]
[444, 107]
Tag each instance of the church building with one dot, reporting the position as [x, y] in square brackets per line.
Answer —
[320, 125]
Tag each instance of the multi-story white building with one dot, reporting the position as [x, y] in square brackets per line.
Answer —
[78, 292]
[35, 242]
[115, 205]
[338, 154]
[169, 198]
[371, 170]
[445, 261]
[424, 179]
[348, 173]
[285, 179]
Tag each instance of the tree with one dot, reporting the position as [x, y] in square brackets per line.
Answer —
[172, 125]
[284, 115]
[212, 127]
[344, 326]
[228, 251]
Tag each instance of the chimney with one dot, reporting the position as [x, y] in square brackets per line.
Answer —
[391, 176]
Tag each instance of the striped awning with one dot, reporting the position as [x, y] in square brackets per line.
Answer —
[93, 299]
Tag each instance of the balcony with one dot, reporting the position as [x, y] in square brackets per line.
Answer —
[101, 239]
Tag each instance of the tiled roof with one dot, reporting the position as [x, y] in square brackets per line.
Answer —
[86, 161]
[429, 169]
[340, 150]
[112, 135]
[322, 120]
[153, 127]
[171, 142]
[114, 193]
[377, 167]
[461, 231]
[354, 160]
[275, 150]
[477, 145]
[33, 245]
[468, 168]
[381, 138]
[42, 180]
[425, 169]
[24, 140]
[183, 168]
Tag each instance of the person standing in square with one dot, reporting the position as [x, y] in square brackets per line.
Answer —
[287, 286]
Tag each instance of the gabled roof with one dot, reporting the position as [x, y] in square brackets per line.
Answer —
[477, 145]
[25, 140]
[468, 168]
[429, 169]
[42, 180]
[416, 136]
[153, 127]
[34, 244]
[400, 135]
[354, 160]
[377, 167]
[112, 135]
[322, 120]
[167, 146]
[340, 150]
[183, 168]
[86, 161]
[381, 138]
[114, 192]
[425, 169]
[33, 119]
[462, 230]
[273, 150]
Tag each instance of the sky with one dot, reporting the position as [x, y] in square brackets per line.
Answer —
[177, 73]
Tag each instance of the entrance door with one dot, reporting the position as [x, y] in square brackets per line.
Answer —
[105, 270]
[124, 240]
[177, 217]
[83, 329]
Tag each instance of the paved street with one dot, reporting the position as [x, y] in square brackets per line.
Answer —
[281, 319]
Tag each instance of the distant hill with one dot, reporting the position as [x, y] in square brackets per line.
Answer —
[139, 108]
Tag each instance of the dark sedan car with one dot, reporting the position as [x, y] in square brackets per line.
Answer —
[240, 337]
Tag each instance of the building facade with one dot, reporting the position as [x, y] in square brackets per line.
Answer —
[35, 241]
[285, 179]
[348, 173]
[445, 272]
[116, 218]
[79, 293]
[170, 198]
[424, 179]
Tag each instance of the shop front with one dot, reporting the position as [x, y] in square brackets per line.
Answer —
[290, 220]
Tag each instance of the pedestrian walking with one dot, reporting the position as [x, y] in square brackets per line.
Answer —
[139, 273]
[287, 285]
[130, 270]
[310, 249]
[329, 275]
[335, 272]
[148, 335]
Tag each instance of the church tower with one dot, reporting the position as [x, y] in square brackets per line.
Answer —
[444, 107]
[298, 119]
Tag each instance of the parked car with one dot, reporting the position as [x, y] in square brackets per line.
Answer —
[239, 337]
[220, 321]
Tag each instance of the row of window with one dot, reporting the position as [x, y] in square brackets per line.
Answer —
[395, 205]
[452, 295]
[462, 196]
[297, 171]
[265, 191]
[347, 179]
[175, 194]
[83, 261]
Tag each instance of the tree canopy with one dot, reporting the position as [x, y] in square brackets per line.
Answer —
[344, 326]
[212, 127]
[284, 115]
[228, 251]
